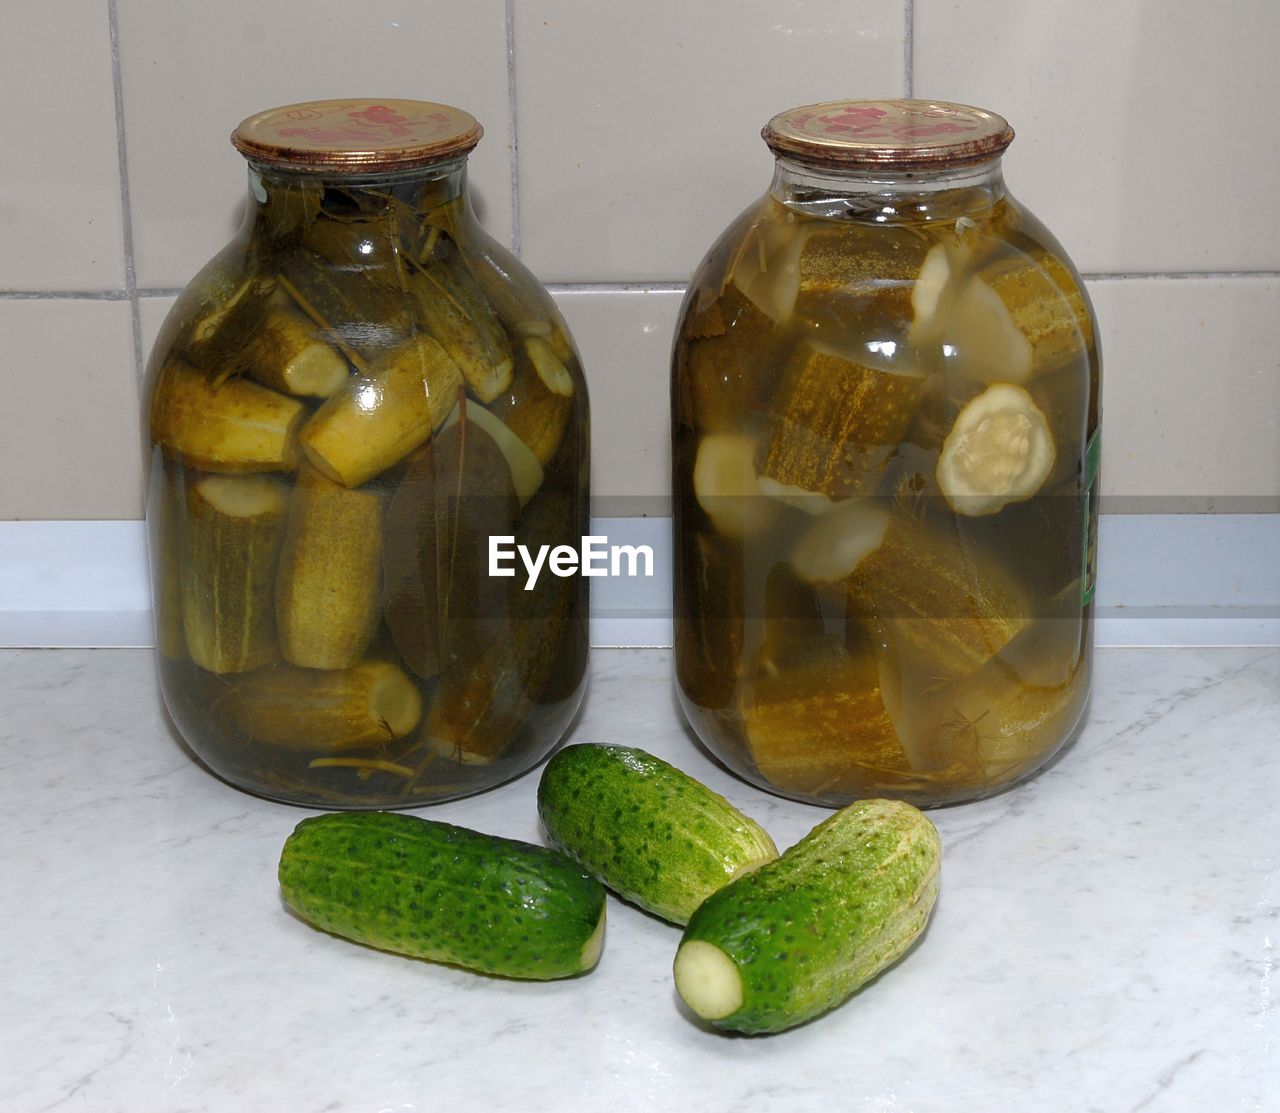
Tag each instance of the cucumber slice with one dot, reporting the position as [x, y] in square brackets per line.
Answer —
[982, 338]
[934, 292]
[768, 269]
[835, 543]
[727, 487]
[999, 451]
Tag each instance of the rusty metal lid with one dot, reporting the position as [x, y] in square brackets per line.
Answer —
[357, 136]
[891, 134]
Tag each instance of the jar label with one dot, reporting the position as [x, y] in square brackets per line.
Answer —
[1089, 566]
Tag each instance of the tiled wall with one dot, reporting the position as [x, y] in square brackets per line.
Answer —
[621, 138]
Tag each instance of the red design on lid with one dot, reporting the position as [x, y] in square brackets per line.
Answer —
[895, 133]
[377, 122]
[876, 123]
[357, 134]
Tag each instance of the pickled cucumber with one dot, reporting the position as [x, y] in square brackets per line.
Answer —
[709, 629]
[237, 426]
[291, 355]
[378, 418]
[538, 402]
[935, 600]
[1043, 300]
[821, 729]
[838, 421]
[933, 294]
[231, 543]
[767, 268]
[999, 451]
[365, 320]
[480, 710]
[727, 487]
[166, 503]
[835, 543]
[330, 568]
[850, 277]
[723, 373]
[982, 340]
[459, 316]
[324, 711]
[986, 728]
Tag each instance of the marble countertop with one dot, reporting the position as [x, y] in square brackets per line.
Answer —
[1106, 937]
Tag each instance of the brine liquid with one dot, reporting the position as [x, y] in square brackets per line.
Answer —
[345, 405]
[883, 565]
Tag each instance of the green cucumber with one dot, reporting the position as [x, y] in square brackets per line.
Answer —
[435, 891]
[651, 833]
[796, 937]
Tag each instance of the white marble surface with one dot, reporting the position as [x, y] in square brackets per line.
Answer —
[1105, 940]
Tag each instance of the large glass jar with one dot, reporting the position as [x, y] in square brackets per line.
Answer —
[885, 429]
[346, 405]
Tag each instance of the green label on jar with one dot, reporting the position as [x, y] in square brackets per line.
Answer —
[1089, 566]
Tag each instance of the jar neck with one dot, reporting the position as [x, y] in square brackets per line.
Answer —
[887, 197]
[282, 202]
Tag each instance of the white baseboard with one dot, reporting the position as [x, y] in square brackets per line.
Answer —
[1165, 579]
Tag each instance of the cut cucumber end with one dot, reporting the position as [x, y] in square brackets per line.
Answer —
[753, 865]
[707, 980]
[317, 461]
[317, 371]
[394, 700]
[595, 944]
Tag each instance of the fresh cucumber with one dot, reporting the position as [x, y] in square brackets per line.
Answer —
[651, 833]
[799, 935]
[435, 891]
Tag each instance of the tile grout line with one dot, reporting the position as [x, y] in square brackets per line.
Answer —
[126, 209]
[513, 142]
[909, 48]
[64, 295]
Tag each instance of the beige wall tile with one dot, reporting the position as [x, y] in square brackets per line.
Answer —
[60, 220]
[1146, 138]
[72, 444]
[639, 124]
[191, 71]
[1191, 392]
[624, 338]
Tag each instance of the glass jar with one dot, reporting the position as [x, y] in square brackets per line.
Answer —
[885, 428]
[345, 406]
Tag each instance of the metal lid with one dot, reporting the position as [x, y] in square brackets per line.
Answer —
[892, 134]
[357, 135]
